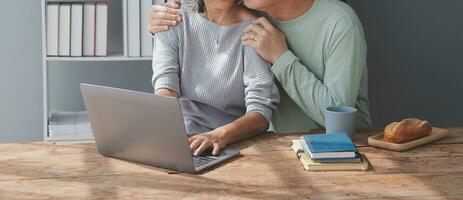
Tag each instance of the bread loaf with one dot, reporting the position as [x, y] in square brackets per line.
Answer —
[406, 130]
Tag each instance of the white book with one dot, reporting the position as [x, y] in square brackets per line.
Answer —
[52, 29]
[76, 29]
[133, 28]
[88, 45]
[64, 43]
[101, 32]
[146, 39]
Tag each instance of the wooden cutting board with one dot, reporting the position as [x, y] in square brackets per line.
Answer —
[378, 140]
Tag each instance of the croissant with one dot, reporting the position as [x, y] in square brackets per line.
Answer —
[406, 130]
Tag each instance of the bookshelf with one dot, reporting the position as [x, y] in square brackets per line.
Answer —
[119, 52]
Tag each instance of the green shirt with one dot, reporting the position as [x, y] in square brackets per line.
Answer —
[325, 66]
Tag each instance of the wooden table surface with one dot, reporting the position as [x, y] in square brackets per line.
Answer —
[267, 169]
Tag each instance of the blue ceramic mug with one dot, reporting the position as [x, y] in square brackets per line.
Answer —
[341, 119]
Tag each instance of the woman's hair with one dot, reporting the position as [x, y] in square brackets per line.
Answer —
[198, 5]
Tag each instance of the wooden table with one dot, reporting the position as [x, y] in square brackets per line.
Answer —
[267, 169]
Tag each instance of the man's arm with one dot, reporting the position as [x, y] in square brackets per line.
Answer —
[345, 62]
[166, 80]
[340, 85]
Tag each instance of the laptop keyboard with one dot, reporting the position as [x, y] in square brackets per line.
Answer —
[202, 160]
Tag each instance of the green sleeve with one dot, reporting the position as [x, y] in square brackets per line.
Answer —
[345, 60]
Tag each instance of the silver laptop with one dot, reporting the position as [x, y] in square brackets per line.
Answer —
[143, 128]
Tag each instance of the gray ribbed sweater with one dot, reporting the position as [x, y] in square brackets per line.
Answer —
[218, 78]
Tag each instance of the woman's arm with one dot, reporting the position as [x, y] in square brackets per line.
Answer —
[261, 96]
[246, 126]
[166, 80]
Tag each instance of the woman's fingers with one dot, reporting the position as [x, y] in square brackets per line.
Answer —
[216, 149]
[204, 145]
[195, 143]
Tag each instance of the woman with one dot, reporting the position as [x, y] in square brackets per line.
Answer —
[226, 90]
[318, 51]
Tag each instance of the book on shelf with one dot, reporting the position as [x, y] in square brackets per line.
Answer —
[89, 29]
[52, 28]
[76, 29]
[64, 37]
[315, 165]
[101, 26]
[133, 28]
[146, 39]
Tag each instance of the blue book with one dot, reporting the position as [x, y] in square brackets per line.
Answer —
[332, 142]
[328, 146]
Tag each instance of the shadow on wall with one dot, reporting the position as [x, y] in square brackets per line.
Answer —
[414, 59]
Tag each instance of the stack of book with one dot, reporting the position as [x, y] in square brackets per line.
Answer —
[76, 28]
[140, 41]
[327, 152]
[69, 126]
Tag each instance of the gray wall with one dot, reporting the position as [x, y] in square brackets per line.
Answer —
[20, 71]
[415, 48]
[414, 59]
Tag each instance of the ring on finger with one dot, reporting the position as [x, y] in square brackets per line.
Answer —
[253, 36]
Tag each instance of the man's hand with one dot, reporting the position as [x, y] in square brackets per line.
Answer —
[268, 41]
[200, 142]
[163, 16]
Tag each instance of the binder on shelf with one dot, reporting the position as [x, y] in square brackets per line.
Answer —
[69, 126]
[133, 28]
[76, 29]
[89, 29]
[146, 39]
[64, 38]
[101, 32]
[52, 28]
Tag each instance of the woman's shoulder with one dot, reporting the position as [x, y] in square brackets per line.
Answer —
[245, 14]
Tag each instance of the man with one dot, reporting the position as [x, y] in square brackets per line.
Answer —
[318, 54]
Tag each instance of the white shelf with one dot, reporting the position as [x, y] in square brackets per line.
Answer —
[117, 56]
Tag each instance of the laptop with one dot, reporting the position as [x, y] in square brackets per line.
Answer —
[144, 128]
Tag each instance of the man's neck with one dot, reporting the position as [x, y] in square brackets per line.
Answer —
[222, 16]
[289, 9]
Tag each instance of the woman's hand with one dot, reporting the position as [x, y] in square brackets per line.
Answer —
[268, 41]
[200, 142]
[163, 16]
[167, 92]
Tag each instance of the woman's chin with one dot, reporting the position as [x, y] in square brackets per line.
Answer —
[258, 4]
